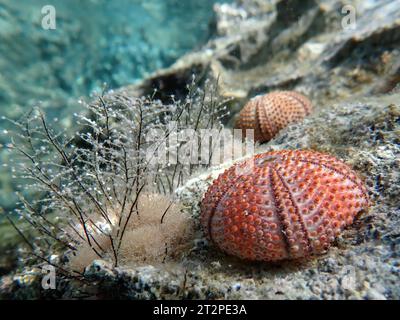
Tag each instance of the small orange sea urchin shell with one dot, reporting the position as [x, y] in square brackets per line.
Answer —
[270, 113]
[282, 205]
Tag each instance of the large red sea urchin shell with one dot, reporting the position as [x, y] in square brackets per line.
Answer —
[282, 205]
[268, 114]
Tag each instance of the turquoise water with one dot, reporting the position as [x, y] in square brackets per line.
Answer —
[95, 42]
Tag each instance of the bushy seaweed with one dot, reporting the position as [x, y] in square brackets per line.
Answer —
[92, 186]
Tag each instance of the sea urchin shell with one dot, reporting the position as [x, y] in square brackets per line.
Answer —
[268, 114]
[281, 205]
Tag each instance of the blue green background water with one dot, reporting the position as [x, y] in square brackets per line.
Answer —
[116, 42]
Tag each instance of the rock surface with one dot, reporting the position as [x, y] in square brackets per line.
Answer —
[351, 77]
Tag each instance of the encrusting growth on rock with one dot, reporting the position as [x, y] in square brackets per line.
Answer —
[282, 205]
[268, 114]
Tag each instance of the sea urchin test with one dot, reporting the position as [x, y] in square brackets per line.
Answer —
[282, 205]
[268, 114]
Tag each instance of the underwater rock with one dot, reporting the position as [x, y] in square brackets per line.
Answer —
[350, 75]
[261, 46]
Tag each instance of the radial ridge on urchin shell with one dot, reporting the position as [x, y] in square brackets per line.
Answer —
[268, 114]
[282, 205]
